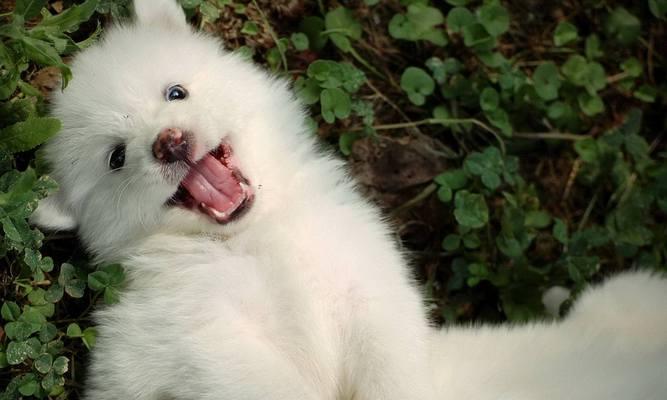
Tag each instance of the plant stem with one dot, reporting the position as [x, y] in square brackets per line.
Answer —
[445, 121]
[588, 211]
[365, 63]
[428, 190]
[549, 135]
[273, 35]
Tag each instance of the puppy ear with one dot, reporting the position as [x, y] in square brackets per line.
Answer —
[164, 13]
[52, 214]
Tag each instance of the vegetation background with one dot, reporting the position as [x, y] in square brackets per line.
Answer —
[516, 145]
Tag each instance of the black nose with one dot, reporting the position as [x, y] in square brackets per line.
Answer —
[171, 145]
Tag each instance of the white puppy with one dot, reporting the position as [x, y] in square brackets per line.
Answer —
[255, 270]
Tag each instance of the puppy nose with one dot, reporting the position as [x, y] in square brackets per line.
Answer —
[171, 145]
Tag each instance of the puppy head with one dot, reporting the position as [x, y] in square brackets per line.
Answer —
[163, 130]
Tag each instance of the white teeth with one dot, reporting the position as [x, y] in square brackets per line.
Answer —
[219, 215]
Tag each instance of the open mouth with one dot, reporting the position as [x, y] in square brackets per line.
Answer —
[214, 186]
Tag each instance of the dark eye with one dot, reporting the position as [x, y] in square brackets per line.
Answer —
[175, 92]
[117, 157]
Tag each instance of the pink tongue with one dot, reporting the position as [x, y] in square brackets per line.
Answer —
[212, 183]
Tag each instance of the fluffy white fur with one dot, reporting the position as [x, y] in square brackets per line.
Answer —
[306, 296]
[612, 346]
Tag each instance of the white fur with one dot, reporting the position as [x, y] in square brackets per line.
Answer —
[612, 346]
[306, 296]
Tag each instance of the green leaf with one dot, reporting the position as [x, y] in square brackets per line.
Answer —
[10, 311]
[300, 41]
[489, 99]
[591, 105]
[623, 26]
[89, 337]
[458, 18]
[60, 365]
[454, 179]
[28, 8]
[98, 280]
[451, 242]
[593, 49]
[115, 273]
[342, 20]
[23, 328]
[587, 149]
[47, 332]
[565, 33]
[43, 363]
[471, 209]
[111, 295]
[575, 69]
[488, 161]
[475, 35]
[493, 59]
[211, 13]
[658, 8]
[471, 241]
[308, 90]
[646, 93]
[547, 81]
[41, 52]
[328, 73]
[28, 134]
[501, 120]
[70, 19]
[560, 231]
[28, 90]
[596, 79]
[54, 293]
[418, 84]
[490, 180]
[537, 219]
[75, 288]
[17, 352]
[437, 67]
[420, 23]
[249, 28]
[313, 27]
[346, 140]
[342, 25]
[633, 67]
[36, 297]
[335, 103]
[478, 272]
[494, 18]
[74, 331]
[445, 194]
[29, 386]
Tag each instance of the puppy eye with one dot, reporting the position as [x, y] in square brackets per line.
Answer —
[175, 92]
[117, 157]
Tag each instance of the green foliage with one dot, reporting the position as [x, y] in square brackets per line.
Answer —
[34, 344]
[421, 22]
[565, 33]
[508, 234]
[341, 27]
[332, 85]
[418, 84]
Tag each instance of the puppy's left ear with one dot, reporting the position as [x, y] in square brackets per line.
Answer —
[165, 13]
[52, 214]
